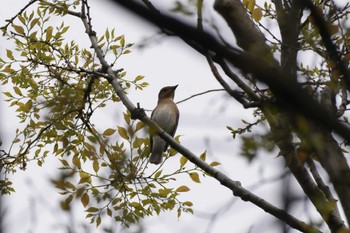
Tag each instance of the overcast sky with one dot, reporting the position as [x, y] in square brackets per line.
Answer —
[34, 207]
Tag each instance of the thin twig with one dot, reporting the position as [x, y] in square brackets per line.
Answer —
[19, 13]
[198, 94]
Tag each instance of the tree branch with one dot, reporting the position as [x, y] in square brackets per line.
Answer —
[292, 98]
[327, 41]
[198, 94]
[223, 179]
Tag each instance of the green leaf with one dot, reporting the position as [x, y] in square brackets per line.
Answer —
[250, 6]
[195, 177]
[34, 22]
[107, 35]
[92, 209]
[138, 78]
[123, 133]
[69, 185]
[109, 212]
[28, 106]
[9, 54]
[122, 41]
[182, 188]
[164, 192]
[127, 118]
[213, 164]
[203, 156]
[188, 203]
[49, 33]
[109, 132]
[76, 161]
[96, 165]
[98, 221]
[19, 29]
[17, 91]
[139, 126]
[183, 161]
[158, 173]
[257, 14]
[85, 199]
[22, 19]
[8, 69]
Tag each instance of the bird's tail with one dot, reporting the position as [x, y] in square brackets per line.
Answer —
[156, 157]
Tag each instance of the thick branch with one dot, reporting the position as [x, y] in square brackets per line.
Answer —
[292, 97]
[247, 35]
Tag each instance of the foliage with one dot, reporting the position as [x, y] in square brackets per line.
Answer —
[57, 88]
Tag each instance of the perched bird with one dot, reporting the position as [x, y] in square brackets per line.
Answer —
[166, 115]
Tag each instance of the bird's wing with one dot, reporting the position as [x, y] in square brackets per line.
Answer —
[173, 130]
[150, 136]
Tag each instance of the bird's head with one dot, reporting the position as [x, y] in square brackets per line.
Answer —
[167, 92]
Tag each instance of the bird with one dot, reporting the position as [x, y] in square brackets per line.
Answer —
[166, 115]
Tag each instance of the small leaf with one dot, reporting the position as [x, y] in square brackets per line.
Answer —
[182, 188]
[28, 106]
[76, 161]
[34, 22]
[98, 221]
[69, 185]
[195, 177]
[188, 203]
[19, 29]
[49, 33]
[164, 192]
[183, 161]
[122, 41]
[158, 174]
[138, 78]
[8, 69]
[92, 209]
[17, 91]
[22, 19]
[96, 165]
[123, 133]
[257, 14]
[139, 126]
[109, 132]
[85, 199]
[126, 118]
[213, 164]
[203, 156]
[9, 54]
[251, 5]
[109, 212]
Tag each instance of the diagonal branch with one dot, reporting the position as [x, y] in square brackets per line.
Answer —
[235, 186]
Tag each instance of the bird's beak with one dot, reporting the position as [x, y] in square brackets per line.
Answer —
[174, 87]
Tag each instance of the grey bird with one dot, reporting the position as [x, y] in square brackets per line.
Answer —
[166, 115]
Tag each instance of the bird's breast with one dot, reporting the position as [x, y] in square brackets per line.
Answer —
[166, 116]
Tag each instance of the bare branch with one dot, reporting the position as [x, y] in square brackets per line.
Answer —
[199, 94]
[19, 13]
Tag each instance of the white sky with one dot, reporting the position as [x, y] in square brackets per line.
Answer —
[167, 62]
